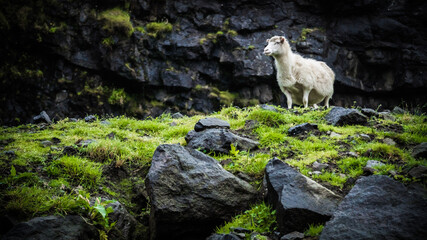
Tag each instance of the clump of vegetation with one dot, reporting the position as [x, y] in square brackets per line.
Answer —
[116, 20]
[156, 29]
[260, 218]
[39, 180]
[306, 31]
[314, 230]
[109, 41]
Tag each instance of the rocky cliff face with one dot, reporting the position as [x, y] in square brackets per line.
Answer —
[72, 58]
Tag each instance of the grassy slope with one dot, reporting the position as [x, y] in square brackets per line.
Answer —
[40, 180]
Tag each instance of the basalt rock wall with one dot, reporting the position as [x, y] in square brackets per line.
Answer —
[73, 58]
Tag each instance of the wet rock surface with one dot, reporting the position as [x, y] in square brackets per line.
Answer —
[339, 116]
[53, 227]
[299, 200]
[379, 208]
[186, 186]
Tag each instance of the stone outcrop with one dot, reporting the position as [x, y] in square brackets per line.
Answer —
[378, 207]
[53, 227]
[298, 200]
[339, 116]
[190, 193]
[376, 48]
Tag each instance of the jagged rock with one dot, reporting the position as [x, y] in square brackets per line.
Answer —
[177, 115]
[339, 116]
[298, 200]
[190, 193]
[42, 117]
[387, 116]
[302, 129]
[53, 227]
[90, 118]
[229, 236]
[418, 172]
[268, 107]
[85, 143]
[369, 112]
[370, 167]
[125, 222]
[389, 141]
[398, 110]
[420, 151]
[365, 137]
[69, 150]
[293, 236]
[316, 166]
[240, 230]
[46, 143]
[378, 207]
[218, 140]
[208, 123]
[251, 124]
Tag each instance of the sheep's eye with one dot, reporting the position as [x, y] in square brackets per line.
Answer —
[276, 43]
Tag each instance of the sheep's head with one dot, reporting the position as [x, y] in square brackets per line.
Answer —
[275, 46]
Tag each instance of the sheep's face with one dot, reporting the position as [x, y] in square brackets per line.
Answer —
[275, 46]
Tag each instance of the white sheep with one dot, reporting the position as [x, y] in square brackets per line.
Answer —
[300, 78]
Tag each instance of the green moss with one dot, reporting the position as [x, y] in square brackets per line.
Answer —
[118, 97]
[260, 218]
[227, 98]
[232, 33]
[116, 21]
[156, 29]
[306, 31]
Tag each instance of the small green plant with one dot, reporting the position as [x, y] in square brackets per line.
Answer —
[109, 41]
[156, 29]
[306, 31]
[314, 230]
[232, 33]
[117, 20]
[233, 150]
[96, 214]
[118, 96]
[251, 47]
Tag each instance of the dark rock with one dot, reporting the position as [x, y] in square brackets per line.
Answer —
[42, 118]
[90, 118]
[218, 140]
[53, 227]
[85, 143]
[389, 141]
[418, 172]
[6, 223]
[251, 124]
[177, 115]
[229, 236]
[316, 166]
[56, 140]
[298, 200]
[111, 135]
[207, 123]
[9, 153]
[293, 236]
[268, 108]
[339, 116]
[378, 207]
[365, 137]
[46, 143]
[190, 193]
[105, 122]
[69, 150]
[420, 151]
[369, 112]
[240, 230]
[302, 129]
[125, 222]
[398, 110]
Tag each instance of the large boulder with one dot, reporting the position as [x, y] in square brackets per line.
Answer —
[218, 140]
[53, 227]
[191, 193]
[298, 200]
[420, 151]
[378, 207]
[339, 116]
[207, 123]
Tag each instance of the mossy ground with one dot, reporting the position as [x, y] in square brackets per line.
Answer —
[37, 179]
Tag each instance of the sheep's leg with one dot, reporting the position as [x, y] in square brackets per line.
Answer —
[288, 97]
[315, 106]
[306, 92]
[327, 101]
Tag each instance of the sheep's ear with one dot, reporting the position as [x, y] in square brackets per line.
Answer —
[282, 39]
[268, 40]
